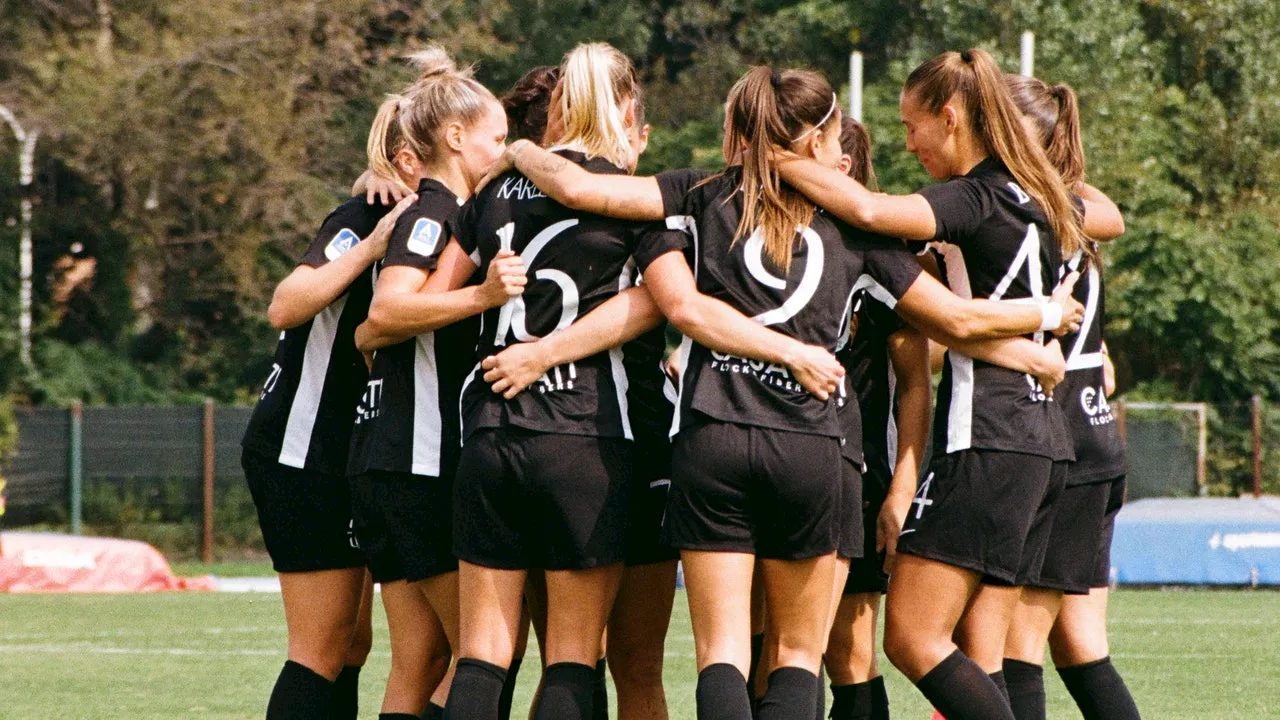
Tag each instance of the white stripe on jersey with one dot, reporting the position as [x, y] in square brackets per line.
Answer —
[687, 224]
[471, 376]
[891, 430]
[427, 423]
[621, 382]
[306, 402]
[960, 415]
[682, 372]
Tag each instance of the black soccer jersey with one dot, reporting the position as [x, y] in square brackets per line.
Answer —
[995, 243]
[407, 420]
[303, 416]
[1099, 450]
[811, 302]
[575, 261]
[869, 373]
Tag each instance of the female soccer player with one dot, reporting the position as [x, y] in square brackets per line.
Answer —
[1002, 219]
[295, 459]
[1066, 603]
[442, 133]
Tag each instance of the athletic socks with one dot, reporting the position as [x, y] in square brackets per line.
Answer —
[722, 693]
[600, 693]
[1099, 691]
[346, 694]
[1026, 689]
[300, 694]
[509, 689]
[790, 695]
[476, 691]
[860, 701]
[822, 693]
[433, 712]
[397, 716]
[567, 693]
[997, 677]
[959, 689]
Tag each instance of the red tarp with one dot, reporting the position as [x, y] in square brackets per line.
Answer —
[47, 562]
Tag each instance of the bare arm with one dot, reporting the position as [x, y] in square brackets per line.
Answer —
[566, 182]
[909, 353]
[909, 217]
[718, 326]
[308, 290]
[1045, 362]
[942, 316]
[407, 303]
[1102, 218]
[621, 318]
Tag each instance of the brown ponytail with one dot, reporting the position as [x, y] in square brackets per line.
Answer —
[855, 142]
[976, 80]
[527, 102]
[766, 109]
[1057, 119]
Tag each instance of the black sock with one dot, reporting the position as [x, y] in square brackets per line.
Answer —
[757, 649]
[476, 690]
[1026, 689]
[397, 716]
[853, 702]
[567, 692]
[600, 692]
[959, 689]
[722, 693]
[1099, 691]
[509, 689]
[997, 677]
[879, 698]
[822, 693]
[300, 694]
[345, 703]
[790, 695]
[433, 712]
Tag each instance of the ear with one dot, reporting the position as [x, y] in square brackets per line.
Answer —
[644, 139]
[454, 134]
[629, 112]
[951, 116]
[813, 144]
[406, 162]
[846, 164]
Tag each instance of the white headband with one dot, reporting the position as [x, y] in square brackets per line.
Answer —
[834, 101]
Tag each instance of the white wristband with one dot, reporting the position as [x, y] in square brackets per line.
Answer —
[1050, 316]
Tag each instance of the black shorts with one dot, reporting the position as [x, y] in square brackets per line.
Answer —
[866, 574]
[305, 515]
[852, 545]
[740, 488]
[403, 523]
[984, 510]
[650, 485]
[530, 500]
[1079, 554]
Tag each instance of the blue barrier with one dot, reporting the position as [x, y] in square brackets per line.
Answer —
[1198, 541]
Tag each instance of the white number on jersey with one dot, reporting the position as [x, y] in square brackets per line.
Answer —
[272, 379]
[1028, 257]
[512, 315]
[753, 250]
[1077, 358]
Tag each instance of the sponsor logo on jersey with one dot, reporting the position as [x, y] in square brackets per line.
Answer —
[773, 375]
[341, 243]
[424, 237]
[370, 403]
[1094, 403]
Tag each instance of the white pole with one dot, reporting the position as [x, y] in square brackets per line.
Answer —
[855, 86]
[26, 173]
[1028, 53]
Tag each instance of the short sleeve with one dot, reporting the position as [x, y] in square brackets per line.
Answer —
[892, 270]
[346, 226]
[881, 317]
[960, 206]
[464, 231]
[417, 239]
[655, 241]
[675, 186]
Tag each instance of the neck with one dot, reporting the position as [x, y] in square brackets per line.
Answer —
[970, 152]
[449, 174]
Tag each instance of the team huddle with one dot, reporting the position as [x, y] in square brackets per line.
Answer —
[474, 403]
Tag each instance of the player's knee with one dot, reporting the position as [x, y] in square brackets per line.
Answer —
[1072, 646]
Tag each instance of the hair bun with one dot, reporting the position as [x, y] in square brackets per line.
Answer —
[434, 62]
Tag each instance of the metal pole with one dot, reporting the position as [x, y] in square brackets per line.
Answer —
[210, 470]
[1028, 53]
[1256, 404]
[75, 474]
[855, 85]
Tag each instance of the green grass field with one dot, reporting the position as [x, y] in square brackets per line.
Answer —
[1185, 654]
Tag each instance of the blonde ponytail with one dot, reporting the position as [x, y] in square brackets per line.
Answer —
[595, 80]
[385, 140]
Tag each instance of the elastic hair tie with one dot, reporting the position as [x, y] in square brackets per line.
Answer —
[830, 111]
[775, 79]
